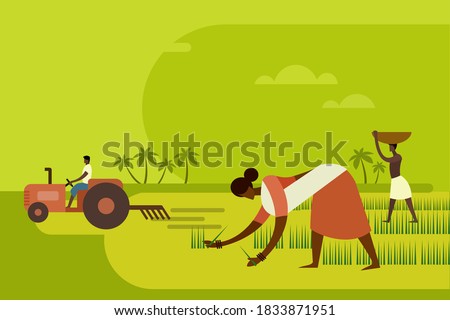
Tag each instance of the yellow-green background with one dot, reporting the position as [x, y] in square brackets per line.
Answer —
[72, 77]
[73, 73]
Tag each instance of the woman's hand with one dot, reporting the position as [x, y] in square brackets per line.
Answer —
[217, 244]
[208, 243]
[253, 262]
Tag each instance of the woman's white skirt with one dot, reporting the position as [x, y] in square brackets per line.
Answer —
[400, 189]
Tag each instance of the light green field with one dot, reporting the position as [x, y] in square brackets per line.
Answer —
[162, 255]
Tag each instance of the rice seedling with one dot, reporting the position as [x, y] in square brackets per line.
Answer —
[300, 238]
[390, 254]
[390, 251]
[436, 201]
[306, 205]
[435, 253]
[262, 237]
[398, 243]
[215, 238]
[337, 253]
[430, 222]
[248, 256]
[198, 238]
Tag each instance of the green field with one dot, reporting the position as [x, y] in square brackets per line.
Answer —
[149, 255]
[139, 249]
[154, 69]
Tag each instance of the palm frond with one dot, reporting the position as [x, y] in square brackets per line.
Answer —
[128, 163]
[179, 162]
[118, 160]
[368, 159]
[194, 162]
[356, 163]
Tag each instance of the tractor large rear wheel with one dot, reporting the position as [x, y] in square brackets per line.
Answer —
[106, 205]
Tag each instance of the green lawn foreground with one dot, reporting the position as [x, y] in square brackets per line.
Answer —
[38, 266]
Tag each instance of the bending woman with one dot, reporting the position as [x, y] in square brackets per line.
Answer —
[336, 212]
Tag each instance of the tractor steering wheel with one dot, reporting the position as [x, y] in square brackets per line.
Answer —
[69, 183]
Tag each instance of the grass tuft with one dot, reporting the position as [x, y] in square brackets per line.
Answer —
[430, 222]
[197, 238]
[262, 237]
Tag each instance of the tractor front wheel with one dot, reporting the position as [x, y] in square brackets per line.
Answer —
[106, 205]
[38, 212]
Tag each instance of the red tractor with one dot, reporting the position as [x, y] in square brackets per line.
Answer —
[105, 204]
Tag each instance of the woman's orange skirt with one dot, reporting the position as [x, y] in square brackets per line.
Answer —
[337, 210]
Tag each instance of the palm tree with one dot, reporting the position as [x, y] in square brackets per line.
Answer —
[185, 157]
[125, 162]
[164, 165]
[145, 157]
[377, 168]
[359, 157]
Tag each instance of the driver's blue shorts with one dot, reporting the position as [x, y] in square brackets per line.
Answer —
[78, 187]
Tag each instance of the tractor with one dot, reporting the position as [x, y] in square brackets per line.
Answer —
[105, 204]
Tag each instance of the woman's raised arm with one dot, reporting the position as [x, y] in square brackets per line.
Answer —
[377, 145]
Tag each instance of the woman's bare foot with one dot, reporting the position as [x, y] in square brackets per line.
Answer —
[312, 265]
[414, 221]
[372, 266]
[387, 221]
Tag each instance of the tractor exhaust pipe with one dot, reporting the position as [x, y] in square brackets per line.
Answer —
[49, 170]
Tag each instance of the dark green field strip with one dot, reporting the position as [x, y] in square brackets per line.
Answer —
[197, 210]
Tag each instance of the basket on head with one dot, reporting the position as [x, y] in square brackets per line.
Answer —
[393, 137]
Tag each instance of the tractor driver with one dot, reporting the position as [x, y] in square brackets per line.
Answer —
[85, 176]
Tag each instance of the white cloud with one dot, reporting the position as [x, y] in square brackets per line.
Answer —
[297, 74]
[353, 101]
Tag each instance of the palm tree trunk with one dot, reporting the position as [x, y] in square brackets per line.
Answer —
[364, 170]
[162, 176]
[187, 172]
[146, 172]
[378, 174]
[134, 178]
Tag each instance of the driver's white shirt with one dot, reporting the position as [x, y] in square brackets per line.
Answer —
[87, 168]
